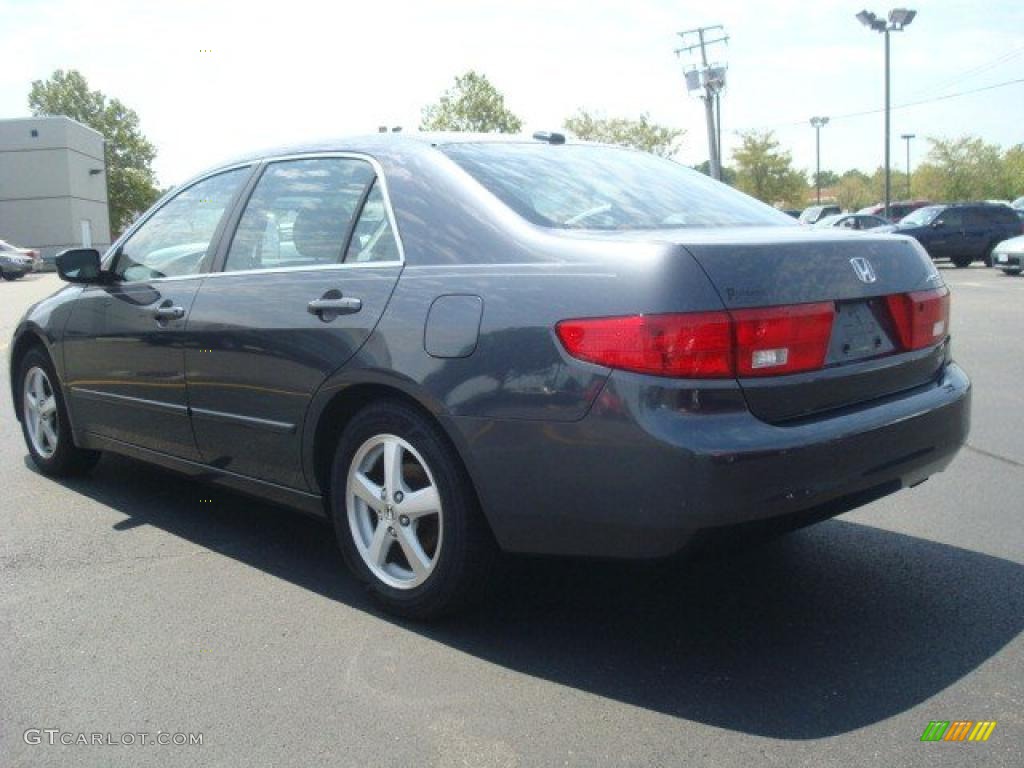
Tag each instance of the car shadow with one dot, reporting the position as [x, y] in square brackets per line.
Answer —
[825, 631]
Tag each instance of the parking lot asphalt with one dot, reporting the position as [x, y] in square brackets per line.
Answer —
[135, 601]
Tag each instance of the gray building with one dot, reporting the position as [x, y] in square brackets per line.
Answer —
[53, 185]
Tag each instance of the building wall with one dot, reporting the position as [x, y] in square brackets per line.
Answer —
[46, 188]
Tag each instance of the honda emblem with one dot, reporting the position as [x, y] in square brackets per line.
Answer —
[862, 267]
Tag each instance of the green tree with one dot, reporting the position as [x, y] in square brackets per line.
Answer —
[854, 190]
[728, 174]
[966, 168]
[131, 183]
[472, 104]
[828, 179]
[766, 172]
[640, 134]
[1013, 171]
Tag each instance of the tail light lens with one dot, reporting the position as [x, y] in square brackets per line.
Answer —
[921, 318]
[774, 340]
[692, 345]
[748, 342]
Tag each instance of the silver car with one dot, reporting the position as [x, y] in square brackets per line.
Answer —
[15, 262]
[1009, 255]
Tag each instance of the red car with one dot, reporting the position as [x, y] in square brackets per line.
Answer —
[897, 210]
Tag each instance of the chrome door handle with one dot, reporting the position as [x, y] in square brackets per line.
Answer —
[169, 313]
[332, 304]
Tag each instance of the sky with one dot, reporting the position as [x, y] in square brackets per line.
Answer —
[211, 80]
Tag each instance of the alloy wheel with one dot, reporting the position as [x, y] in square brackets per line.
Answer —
[40, 412]
[394, 511]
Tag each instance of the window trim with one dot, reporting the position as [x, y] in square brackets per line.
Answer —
[113, 253]
[220, 257]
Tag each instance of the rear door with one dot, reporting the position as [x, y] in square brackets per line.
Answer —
[979, 231]
[946, 236]
[124, 341]
[308, 272]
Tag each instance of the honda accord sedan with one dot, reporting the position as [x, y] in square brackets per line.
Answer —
[452, 346]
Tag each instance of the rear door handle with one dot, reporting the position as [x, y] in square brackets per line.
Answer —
[169, 313]
[332, 304]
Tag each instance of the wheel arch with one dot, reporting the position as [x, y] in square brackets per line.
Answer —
[337, 402]
[27, 338]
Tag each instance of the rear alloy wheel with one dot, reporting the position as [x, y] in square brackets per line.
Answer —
[405, 514]
[44, 420]
[962, 261]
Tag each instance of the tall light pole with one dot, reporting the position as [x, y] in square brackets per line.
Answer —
[899, 19]
[907, 137]
[817, 123]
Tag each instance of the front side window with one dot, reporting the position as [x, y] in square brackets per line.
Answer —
[176, 240]
[299, 214]
[576, 186]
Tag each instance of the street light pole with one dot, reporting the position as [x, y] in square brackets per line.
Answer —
[899, 19]
[817, 123]
[907, 137]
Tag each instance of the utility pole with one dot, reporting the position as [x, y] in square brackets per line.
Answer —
[712, 81]
[817, 123]
[907, 137]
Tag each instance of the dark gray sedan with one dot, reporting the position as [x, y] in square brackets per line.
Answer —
[455, 345]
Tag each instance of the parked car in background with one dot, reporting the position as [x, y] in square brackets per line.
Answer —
[897, 209]
[852, 221]
[816, 213]
[960, 232]
[13, 258]
[1018, 204]
[794, 212]
[1009, 255]
[451, 344]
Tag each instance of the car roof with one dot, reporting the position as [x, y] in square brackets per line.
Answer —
[394, 141]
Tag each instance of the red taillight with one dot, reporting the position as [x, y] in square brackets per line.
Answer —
[694, 345]
[774, 340]
[746, 342]
[921, 318]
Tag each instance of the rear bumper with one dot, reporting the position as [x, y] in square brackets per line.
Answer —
[655, 463]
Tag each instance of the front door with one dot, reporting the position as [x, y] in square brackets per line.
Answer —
[307, 275]
[124, 342]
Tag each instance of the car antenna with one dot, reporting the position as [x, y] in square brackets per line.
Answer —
[550, 137]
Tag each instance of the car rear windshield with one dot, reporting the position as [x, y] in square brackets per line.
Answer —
[576, 186]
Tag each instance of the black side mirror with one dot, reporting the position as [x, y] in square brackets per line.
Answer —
[938, 223]
[79, 265]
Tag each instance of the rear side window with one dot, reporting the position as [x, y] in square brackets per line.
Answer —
[299, 214]
[373, 239]
[606, 188]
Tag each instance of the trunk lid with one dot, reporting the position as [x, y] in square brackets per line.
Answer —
[779, 266]
[855, 271]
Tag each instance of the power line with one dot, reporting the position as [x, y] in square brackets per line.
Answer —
[907, 105]
[1004, 58]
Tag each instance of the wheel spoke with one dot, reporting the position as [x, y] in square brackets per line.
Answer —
[48, 432]
[419, 503]
[368, 491]
[380, 544]
[393, 466]
[418, 559]
[48, 406]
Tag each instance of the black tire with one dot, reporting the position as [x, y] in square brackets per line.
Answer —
[1011, 272]
[466, 559]
[11, 276]
[67, 459]
[961, 261]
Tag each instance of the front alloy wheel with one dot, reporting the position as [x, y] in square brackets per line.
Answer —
[394, 512]
[40, 412]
